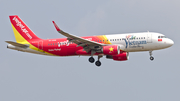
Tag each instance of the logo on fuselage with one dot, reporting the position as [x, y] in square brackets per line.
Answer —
[63, 43]
[130, 41]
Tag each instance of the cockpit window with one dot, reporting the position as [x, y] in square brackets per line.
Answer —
[161, 37]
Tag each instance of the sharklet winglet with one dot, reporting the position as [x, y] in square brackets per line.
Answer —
[57, 28]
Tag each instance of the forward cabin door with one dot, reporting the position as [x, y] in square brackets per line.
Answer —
[149, 38]
[40, 45]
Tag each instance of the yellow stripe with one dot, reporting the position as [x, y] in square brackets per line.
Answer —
[103, 37]
[20, 39]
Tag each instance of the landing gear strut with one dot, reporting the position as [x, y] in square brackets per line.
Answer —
[91, 59]
[151, 57]
[98, 63]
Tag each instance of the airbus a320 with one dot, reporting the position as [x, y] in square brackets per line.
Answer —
[115, 46]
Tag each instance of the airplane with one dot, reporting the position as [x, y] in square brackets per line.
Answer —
[115, 46]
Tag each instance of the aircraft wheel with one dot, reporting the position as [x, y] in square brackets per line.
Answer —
[98, 63]
[151, 58]
[91, 60]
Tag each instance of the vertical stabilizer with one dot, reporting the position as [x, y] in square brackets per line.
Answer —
[21, 31]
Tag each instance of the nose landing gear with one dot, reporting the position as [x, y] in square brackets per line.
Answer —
[151, 57]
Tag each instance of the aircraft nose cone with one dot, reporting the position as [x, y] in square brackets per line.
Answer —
[170, 42]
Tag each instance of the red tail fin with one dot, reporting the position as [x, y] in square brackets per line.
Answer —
[21, 30]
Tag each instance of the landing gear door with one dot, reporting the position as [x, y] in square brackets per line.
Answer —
[149, 38]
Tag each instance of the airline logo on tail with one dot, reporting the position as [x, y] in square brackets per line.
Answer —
[18, 23]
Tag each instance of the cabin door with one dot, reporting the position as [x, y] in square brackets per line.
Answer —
[149, 38]
[40, 45]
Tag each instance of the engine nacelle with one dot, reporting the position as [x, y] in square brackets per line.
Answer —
[111, 50]
[120, 57]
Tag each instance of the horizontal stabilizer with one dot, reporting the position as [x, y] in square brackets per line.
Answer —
[17, 44]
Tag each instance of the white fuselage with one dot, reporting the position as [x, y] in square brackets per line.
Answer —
[147, 41]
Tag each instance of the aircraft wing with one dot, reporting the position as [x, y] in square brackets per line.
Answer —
[77, 40]
[17, 44]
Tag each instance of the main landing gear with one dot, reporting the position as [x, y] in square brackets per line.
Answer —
[91, 60]
[98, 63]
[151, 57]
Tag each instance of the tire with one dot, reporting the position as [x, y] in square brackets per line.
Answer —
[91, 60]
[151, 58]
[98, 63]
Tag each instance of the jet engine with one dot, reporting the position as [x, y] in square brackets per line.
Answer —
[123, 56]
[111, 50]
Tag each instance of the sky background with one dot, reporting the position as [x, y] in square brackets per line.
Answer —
[30, 77]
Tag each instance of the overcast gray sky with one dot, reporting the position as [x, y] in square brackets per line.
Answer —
[29, 77]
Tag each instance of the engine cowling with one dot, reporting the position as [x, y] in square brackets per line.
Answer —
[123, 56]
[111, 50]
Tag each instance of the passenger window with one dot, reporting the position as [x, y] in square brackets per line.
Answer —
[159, 36]
[107, 40]
[113, 39]
[117, 39]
